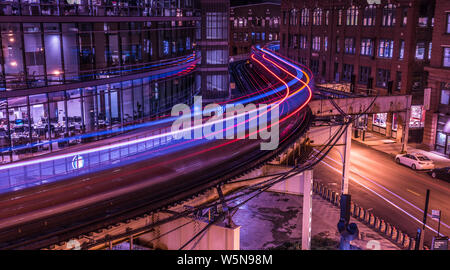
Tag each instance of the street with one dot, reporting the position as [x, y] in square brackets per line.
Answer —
[391, 191]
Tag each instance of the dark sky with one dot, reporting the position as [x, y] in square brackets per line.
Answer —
[246, 2]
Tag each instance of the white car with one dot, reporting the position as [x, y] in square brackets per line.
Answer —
[415, 161]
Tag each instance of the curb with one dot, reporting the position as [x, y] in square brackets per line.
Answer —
[377, 224]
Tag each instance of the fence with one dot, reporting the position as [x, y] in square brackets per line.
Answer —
[391, 232]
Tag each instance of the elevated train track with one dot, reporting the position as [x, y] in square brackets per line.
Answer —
[155, 178]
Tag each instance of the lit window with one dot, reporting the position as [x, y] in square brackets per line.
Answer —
[420, 50]
[388, 15]
[386, 48]
[352, 15]
[370, 13]
[367, 47]
[447, 57]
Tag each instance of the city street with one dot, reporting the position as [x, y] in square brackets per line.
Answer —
[393, 192]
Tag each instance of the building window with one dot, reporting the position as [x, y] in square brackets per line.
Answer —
[388, 15]
[446, 62]
[317, 16]
[325, 43]
[401, 54]
[367, 47]
[398, 86]
[448, 23]
[383, 77]
[347, 73]
[216, 25]
[352, 15]
[379, 119]
[327, 17]
[340, 17]
[404, 16]
[386, 48]
[316, 44]
[417, 117]
[364, 74]
[216, 57]
[349, 44]
[284, 17]
[315, 66]
[303, 42]
[445, 97]
[420, 50]
[293, 17]
[217, 83]
[304, 19]
[370, 13]
[338, 45]
[430, 48]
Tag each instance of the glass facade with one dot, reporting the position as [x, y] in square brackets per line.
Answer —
[44, 54]
[65, 82]
[126, 8]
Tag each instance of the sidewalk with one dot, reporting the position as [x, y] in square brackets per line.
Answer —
[272, 219]
[392, 147]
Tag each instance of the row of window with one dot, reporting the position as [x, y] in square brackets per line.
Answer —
[256, 36]
[272, 22]
[367, 47]
[352, 16]
[42, 54]
[173, 8]
[48, 117]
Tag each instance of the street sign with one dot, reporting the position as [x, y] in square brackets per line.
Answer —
[440, 243]
[436, 214]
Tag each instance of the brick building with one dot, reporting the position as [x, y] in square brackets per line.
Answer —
[253, 24]
[384, 47]
[437, 124]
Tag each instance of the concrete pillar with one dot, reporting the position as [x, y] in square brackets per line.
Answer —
[369, 122]
[177, 233]
[389, 125]
[307, 210]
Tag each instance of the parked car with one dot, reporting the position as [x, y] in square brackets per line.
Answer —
[441, 173]
[415, 161]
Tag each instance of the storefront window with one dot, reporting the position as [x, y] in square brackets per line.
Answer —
[394, 122]
[417, 117]
[379, 119]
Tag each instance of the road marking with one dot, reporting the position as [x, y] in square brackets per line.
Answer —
[415, 193]
[384, 198]
[379, 195]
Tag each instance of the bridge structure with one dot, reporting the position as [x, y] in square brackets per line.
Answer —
[53, 199]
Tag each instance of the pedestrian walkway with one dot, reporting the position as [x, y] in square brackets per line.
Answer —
[273, 219]
[392, 147]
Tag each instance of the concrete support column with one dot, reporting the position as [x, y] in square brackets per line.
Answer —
[369, 122]
[177, 233]
[389, 125]
[307, 210]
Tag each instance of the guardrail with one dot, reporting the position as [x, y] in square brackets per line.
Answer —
[378, 224]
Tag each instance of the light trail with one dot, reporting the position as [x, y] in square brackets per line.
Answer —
[289, 95]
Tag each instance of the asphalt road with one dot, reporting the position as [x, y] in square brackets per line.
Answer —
[391, 191]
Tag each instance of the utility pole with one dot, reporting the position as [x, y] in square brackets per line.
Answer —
[406, 125]
[349, 231]
[421, 234]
